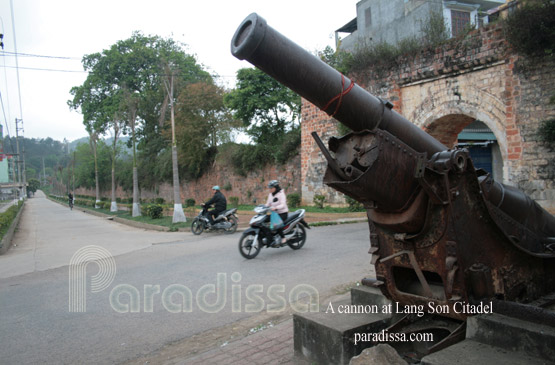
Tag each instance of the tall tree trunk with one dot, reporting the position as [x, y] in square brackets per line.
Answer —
[136, 207]
[114, 205]
[93, 147]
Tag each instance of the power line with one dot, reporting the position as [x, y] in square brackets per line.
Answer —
[43, 69]
[6, 53]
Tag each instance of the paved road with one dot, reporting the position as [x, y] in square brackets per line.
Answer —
[36, 325]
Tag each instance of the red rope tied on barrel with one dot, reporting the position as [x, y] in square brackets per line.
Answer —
[339, 96]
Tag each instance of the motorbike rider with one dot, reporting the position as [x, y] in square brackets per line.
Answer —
[277, 202]
[220, 204]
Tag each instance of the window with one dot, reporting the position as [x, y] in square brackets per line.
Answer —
[459, 21]
[367, 17]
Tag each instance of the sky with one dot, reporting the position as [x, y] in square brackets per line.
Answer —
[52, 36]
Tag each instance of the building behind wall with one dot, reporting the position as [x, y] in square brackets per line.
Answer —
[472, 92]
[391, 21]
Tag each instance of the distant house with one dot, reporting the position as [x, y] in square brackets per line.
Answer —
[393, 20]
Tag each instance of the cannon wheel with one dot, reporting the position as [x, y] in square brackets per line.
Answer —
[247, 247]
[234, 222]
[298, 238]
[197, 227]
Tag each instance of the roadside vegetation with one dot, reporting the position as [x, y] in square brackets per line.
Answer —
[7, 218]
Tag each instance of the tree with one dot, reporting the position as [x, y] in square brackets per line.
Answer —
[34, 185]
[266, 107]
[202, 123]
[92, 170]
[89, 102]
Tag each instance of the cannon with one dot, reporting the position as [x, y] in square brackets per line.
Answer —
[441, 231]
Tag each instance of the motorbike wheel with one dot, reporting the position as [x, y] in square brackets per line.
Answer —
[248, 247]
[197, 227]
[234, 223]
[297, 238]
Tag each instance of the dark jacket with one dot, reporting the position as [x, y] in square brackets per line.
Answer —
[219, 201]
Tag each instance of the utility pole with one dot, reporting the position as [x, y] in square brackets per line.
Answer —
[73, 175]
[43, 182]
[18, 154]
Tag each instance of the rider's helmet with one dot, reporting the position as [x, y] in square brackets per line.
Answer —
[215, 187]
[273, 184]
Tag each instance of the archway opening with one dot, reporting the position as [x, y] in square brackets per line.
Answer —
[459, 130]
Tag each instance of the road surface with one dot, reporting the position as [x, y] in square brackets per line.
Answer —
[132, 313]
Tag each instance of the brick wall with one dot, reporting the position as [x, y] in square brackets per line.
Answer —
[444, 90]
[251, 188]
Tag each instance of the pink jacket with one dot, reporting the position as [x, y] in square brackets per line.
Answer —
[280, 204]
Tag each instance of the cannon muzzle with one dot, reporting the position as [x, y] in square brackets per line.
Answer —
[322, 85]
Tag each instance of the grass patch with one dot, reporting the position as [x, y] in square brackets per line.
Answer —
[164, 221]
[7, 218]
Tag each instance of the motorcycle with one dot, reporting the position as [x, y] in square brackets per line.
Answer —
[261, 234]
[226, 221]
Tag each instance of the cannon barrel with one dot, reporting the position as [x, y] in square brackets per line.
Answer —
[322, 85]
[441, 230]
[361, 111]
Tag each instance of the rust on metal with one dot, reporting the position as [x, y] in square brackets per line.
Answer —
[442, 232]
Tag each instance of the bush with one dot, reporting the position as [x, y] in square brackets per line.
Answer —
[547, 130]
[530, 28]
[190, 202]
[319, 201]
[7, 218]
[234, 201]
[154, 211]
[227, 186]
[354, 206]
[293, 200]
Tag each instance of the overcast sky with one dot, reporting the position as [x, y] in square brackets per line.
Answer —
[65, 30]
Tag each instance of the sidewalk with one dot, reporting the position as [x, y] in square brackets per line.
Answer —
[270, 346]
[269, 342]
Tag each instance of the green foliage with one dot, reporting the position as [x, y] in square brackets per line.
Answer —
[337, 59]
[190, 202]
[159, 200]
[234, 201]
[319, 201]
[202, 123]
[154, 211]
[34, 185]
[293, 200]
[547, 131]
[227, 186]
[434, 30]
[7, 217]
[266, 107]
[84, 166]
[249, 157]
[287, 147]
[530, 28]
[354, 205]
[382, 56]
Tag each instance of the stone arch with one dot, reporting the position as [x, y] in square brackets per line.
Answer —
[445, 117]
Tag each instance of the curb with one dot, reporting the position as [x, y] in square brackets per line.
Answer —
[118, 219]
[155, 227]
[7, 239]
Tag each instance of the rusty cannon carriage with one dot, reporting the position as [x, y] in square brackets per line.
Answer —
[441, 231]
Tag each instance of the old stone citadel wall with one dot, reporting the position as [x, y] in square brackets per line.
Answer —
[477, 77]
